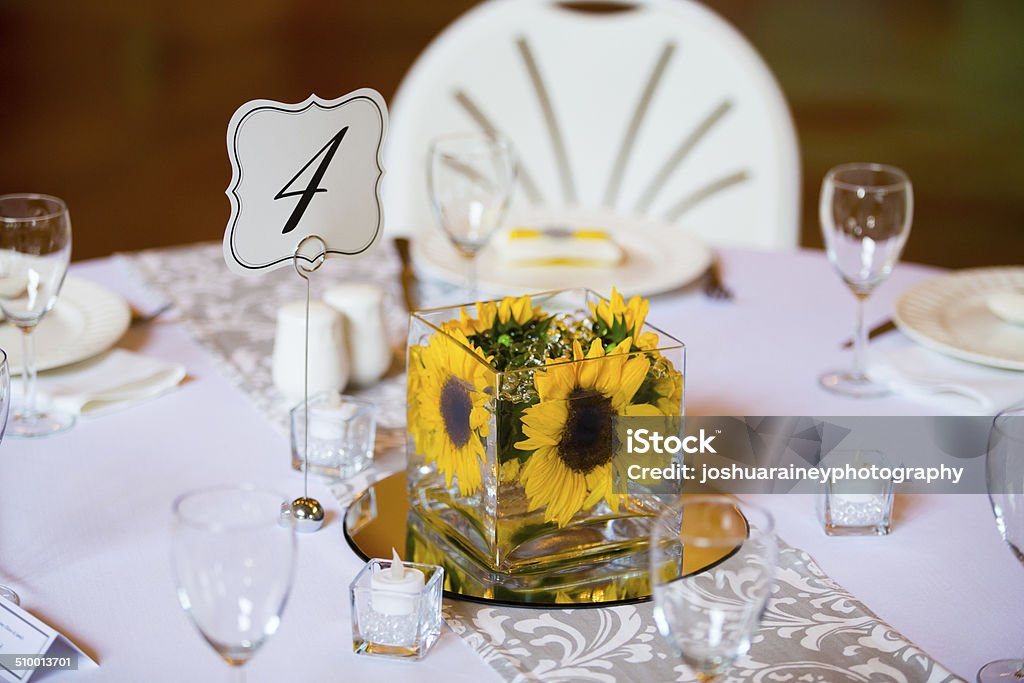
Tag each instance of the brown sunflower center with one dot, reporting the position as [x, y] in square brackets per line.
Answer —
[587, 436]
[456, 407]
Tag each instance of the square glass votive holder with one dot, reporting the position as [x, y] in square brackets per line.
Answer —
[342, 431]
[859, 505]
[393, 623]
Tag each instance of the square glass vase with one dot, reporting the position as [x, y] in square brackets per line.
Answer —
[392, 623]
[513, 467]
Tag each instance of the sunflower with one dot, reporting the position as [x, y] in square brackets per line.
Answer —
[491, 314]
[614, 319]
[569, 430]
[448, 412]
[511, 333]
[670, 392]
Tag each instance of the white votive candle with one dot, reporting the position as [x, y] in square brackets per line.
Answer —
[395, 591]
[327, 422]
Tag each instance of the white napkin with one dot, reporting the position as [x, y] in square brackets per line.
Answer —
[111, 381]
[962, 387]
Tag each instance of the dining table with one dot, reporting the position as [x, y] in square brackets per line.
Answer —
[85, 515]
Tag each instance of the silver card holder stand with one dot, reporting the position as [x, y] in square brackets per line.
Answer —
[307, 512]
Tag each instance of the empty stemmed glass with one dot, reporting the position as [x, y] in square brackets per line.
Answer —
[709, 615]
[5, 404]
[234, 560]
[1004, 466]
[470, 177]
[35, 248]
[865, 211]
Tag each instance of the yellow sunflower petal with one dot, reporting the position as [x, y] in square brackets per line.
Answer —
[569, 499]
[509, 471]
[593, 497]
[634, 371]
[648, 341]
[590, 369]
[577, 350]
[539, 480]
[636, 314]
[522, 310]
[536, 438]
[555, 382]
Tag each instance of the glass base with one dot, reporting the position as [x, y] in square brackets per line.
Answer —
[871, 530]
[855, 385]
[1002, 671]
[7, 594]
[39, 423]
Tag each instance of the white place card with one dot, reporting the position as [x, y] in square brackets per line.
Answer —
[298, 170]
[31, 649]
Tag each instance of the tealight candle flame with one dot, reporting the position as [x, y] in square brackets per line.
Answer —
[397, 568]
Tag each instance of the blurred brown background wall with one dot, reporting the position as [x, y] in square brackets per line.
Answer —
[121, 107]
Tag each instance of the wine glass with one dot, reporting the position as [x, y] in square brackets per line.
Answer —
[1004, 465]
[5, 403]
[35, 247]
[470, 177]
[709, 616]
[866, 211]
[234, 560]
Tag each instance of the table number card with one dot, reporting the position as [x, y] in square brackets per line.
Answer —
[31, 649]
[312, 168]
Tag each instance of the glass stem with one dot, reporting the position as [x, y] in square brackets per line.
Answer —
[236, 674]
[28, 359]
[471, 279]
[860, 340]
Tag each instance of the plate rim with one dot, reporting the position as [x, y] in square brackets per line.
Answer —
[123, 322]
[703, 252]
[953, 351]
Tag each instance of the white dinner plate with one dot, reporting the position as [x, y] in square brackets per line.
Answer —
[658, 256]
[87, 319]
[950, 314]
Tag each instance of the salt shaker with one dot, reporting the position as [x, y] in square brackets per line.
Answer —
[361, 304]
[328, 359]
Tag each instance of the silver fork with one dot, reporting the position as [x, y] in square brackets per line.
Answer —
[139, 318]
[714, 286]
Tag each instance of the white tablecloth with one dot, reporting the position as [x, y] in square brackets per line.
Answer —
[85, 515]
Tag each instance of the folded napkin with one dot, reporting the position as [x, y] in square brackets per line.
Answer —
[559, 246]
[111, 381]
[960, 386]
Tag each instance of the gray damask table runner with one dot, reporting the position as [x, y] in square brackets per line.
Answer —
[812, 632]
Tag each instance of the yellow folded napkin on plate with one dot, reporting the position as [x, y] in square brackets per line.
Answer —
[558, 246]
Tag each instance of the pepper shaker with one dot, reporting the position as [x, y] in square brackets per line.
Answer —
[361, 304]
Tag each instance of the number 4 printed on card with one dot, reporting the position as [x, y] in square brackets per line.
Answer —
[326, 155]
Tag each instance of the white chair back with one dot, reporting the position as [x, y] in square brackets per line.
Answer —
[660, 109]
